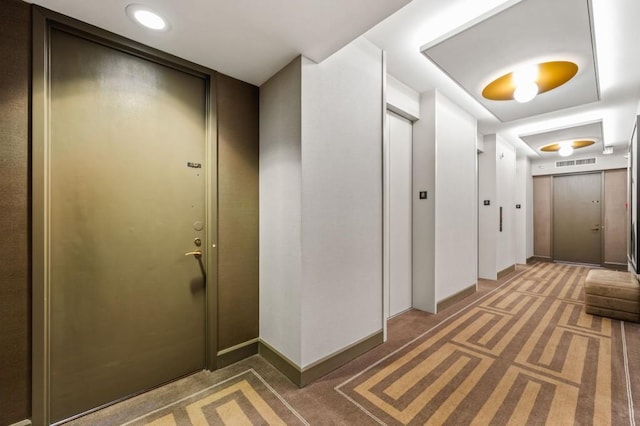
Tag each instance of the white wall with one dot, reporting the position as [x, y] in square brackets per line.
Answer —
[529, 212]
[497, 183]
[523, 219]
[480, 142]
[424, 179]
[321, 204]
[445, 225]
[487, 215]
[506, 194]
[455, 207]
[398, 214]
[280, 212]
[342, 116]
[402, 99]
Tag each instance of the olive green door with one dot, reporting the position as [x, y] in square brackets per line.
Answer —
[577, 213]
[127, 201]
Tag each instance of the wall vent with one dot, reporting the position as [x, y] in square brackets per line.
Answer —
[565, 163]
[585, 161]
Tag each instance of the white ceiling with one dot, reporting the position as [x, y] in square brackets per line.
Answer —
[615, 31]
[592, 131]
[251, 40]
[530, 32]
[246, 39]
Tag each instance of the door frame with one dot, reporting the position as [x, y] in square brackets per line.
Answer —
[552, 207]
[387, 209]
[43, 21]
[386, 220]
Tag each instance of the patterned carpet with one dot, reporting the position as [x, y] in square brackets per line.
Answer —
[521, 351]
[244, 399]
[525, 354]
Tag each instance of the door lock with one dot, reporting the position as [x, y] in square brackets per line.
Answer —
[197, 242]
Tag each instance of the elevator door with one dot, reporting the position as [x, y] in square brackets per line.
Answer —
[127, 194]
[576, 218]
[400, 213]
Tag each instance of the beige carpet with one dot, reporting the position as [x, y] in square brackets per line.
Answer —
[243, 399]
[520, 351]
[526, 354]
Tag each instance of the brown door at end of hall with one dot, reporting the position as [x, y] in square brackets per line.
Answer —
[127, 305]
[577, 215]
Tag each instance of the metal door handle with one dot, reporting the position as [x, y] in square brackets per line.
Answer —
[596, 228]
[196, 253]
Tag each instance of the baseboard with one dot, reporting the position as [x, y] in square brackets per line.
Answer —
[237, 353]
[452, 300]
[506, 271]
[332, 362]
[531, 260]
[311, 373]
[281, 362]
[616, 266]
[25, 422]
[540, 259]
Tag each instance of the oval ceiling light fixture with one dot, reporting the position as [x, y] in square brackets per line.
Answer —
[566, 148]
[544, 76]
[143, 15]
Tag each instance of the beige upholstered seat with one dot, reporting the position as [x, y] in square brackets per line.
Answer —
[612, 294]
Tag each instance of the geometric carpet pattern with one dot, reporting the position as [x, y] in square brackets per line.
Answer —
[244, 399]
[526, 353]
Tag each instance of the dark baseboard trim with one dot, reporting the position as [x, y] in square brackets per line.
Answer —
[616, 266]
[303, 377]
[281, 362]
[506, 271]
[453, 299]
[237, 353]
[540, 259]
[338, 359]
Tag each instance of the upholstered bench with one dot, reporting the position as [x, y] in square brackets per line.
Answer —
[612, 294]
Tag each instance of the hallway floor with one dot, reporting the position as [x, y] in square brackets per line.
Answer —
[392, 384]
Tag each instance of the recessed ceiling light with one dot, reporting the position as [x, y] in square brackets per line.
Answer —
[144, 16]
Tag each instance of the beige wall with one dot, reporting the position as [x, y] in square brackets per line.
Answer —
[15, 286]
[542, 216]
[238, 152]
[615, 216]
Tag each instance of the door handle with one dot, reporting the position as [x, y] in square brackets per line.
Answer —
[596, 228]
[196, 253]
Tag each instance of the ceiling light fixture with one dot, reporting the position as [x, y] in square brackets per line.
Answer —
[524, 80]
[565, 150]
[576, 144]
[525, 92]
[528, 81]
[142, 15]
